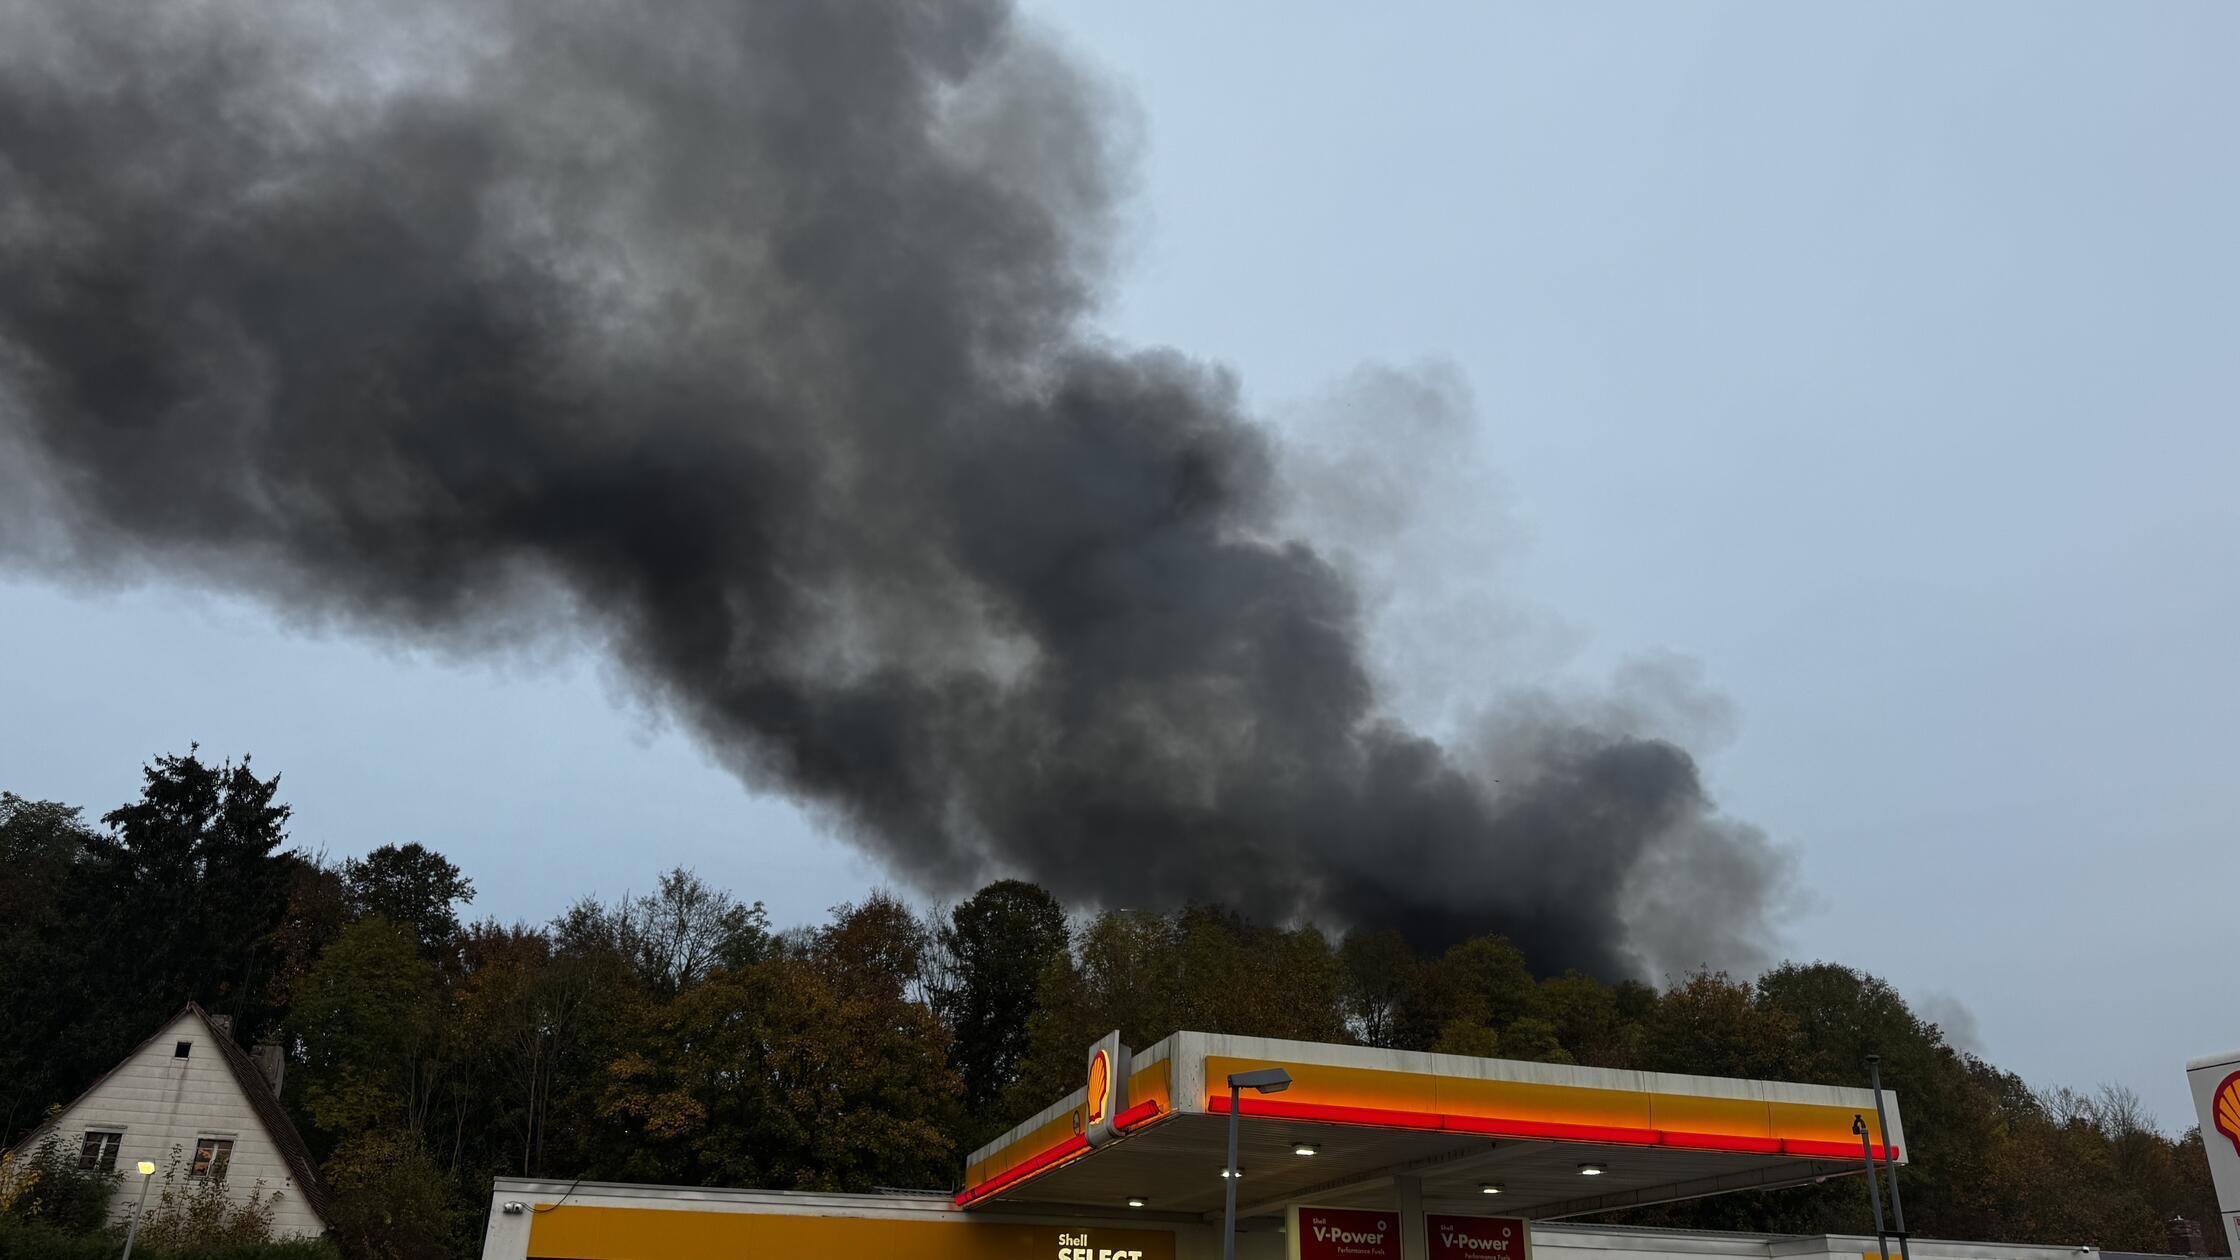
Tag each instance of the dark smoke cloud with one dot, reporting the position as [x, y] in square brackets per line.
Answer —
[751, 336]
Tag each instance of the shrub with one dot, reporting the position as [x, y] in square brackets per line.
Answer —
[22, 1239]
[393, 1203]
[48, 1187]
[35, 1240]
[291, 1249]
[50, 1209]
[201, 1214]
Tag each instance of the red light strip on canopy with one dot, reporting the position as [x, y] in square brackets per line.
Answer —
[1024, 1169]
[1494, 1126]
[1833, 1150]
[1134, 1117]
[1382, 1118]
[1141, 1113]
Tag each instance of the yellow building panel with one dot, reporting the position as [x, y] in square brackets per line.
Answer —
[1034, 1143]
[1336, 1086]
[1153, 1084]
[1694, 1113]
[1427, 1095]
[1586, 1112]
[1546, 1104]
[1809, 1122]
[605, 1233]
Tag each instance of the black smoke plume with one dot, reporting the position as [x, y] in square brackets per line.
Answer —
[750, 338]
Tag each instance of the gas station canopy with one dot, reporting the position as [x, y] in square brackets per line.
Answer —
[1148, 1132]
[1362, 1153]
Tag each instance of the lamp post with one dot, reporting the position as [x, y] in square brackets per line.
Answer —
[1266, 1081]
[1889, 1161]
[147, 1171]
[1874, 1186]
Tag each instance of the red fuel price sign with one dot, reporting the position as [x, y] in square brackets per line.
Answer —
[1339, 1234]
[1478, 1237]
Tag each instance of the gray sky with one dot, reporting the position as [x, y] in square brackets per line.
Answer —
[1880, 361]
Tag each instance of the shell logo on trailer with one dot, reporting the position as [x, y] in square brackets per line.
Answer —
[2227, 1110]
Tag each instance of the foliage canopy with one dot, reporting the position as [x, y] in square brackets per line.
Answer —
[672, 1036]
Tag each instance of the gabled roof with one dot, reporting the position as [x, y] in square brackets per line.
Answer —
[266, 1104]
[276, 1122]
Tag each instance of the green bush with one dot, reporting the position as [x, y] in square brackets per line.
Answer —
[50, 1209]
[393, 1203]
[47, 1186]
[33, 1240]
[305, 1249]
[192, 1214]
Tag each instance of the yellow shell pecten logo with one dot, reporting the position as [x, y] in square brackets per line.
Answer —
[2225, 1110]
[1100, 1085]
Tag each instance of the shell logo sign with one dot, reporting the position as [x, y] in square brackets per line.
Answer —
[2226, 1114]
[2215, 1082]
[1105, 1095]
[1100, 1085]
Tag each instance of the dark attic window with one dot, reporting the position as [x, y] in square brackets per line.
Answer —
[182, 1050]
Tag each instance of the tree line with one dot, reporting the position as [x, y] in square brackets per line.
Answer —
[677, 1037]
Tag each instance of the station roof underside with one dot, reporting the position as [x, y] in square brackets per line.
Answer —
[1176, 1167]
[1455, 1124]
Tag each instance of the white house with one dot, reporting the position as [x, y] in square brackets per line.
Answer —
[190, 1092]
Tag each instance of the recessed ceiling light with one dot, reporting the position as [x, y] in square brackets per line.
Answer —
[1304, 1148]
[1489, 1187]
[1135, 1203]
[1592, 1170]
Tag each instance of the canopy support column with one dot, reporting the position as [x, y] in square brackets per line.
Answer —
[1407, 1194]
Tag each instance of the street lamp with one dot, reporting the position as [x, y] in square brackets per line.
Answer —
[1266, 1081]
[1889, 1161]
[147, 1170]
[1874, 1185]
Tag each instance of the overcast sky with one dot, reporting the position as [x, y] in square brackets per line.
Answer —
[1879, 361]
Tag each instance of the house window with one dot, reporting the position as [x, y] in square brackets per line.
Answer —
[210, 1157]
[182, 1050]
[99, 1154]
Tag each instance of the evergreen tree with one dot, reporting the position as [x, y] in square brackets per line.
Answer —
[992, 951]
